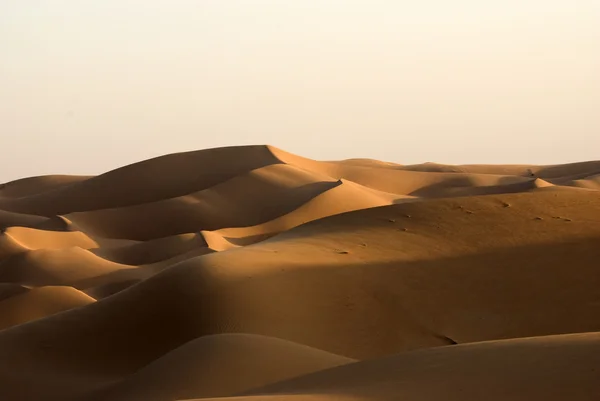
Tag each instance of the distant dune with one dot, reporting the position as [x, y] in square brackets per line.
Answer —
[250, 273]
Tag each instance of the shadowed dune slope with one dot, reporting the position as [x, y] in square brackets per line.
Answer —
[9, 219]
[147, 181]
[79, 268]
[399, 181]
[221, 365]
[544, 172]
[540, 368]
[8, 290]
[111, 282]
[582, 181]
[344, 197]
[252, 198]
[152, 251]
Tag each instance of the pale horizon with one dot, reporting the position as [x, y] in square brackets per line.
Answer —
[88, 88]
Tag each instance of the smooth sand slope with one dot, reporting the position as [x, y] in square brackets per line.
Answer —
[221, 365]
[40, 302]
[250, 273]
[152, 251]
[344, 197]
[9, 219]
[163, 177]
[251, 198]
[549, 368]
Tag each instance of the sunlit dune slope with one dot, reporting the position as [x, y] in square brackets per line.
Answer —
[38, 303]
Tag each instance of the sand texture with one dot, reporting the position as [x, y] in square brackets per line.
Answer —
[250, 273]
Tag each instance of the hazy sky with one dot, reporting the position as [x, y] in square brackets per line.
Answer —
[87, 86]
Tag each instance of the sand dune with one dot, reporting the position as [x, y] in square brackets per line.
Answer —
[79, 268]
[398, 181]
[45, 267]
[544, 172]
[221, 365]
[8, 219]
[40, 302]
[517, 369]
[586, 180]
[107, 284]
[151, 180]
[37, 185]
[252, 198]
[344, 197]
[368, 163]
[8, 290]
[9, 246]
[31, 238]
[251, 273]
[152, 251]
[592, 182]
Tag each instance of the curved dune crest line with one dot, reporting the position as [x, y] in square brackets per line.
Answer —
[147, 181]
[398, 181]
[57, 223]
[32, 238]
[9, 246]
[111, 282]
[564, 170]
[221, 365]
[346, 196]
[513, 187]
[248, 199]
[8, 290]
[55, 267]
[540, 368]
[152, 251]
[364, 162]
[8, 219]
[40, 302]
[558, 171]
[587, 181]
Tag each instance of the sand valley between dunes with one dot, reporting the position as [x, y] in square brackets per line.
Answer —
[249, 273]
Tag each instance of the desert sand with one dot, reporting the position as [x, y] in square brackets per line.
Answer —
[250, 273]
